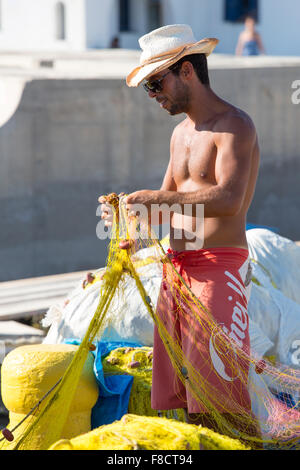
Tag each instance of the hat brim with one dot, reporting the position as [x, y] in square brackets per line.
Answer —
[142, 72]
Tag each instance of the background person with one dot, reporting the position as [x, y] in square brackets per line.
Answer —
[249, 42]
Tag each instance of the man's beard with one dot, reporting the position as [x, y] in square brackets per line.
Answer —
[181, 103]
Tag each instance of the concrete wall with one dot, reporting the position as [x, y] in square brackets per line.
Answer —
[71, 140]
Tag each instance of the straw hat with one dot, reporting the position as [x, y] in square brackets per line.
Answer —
[163, 47]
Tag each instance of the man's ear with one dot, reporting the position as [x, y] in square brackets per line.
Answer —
[187, 70]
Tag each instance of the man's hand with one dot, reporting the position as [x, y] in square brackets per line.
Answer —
[139, 203]
[107, 211]
[145, 198]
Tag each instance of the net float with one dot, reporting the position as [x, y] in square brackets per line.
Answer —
[113, 360]
[8, 434]
[90, 277]
[134, 364]
[125, 244]
[260, 366]
[184, 372]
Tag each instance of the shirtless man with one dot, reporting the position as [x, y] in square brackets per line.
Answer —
[214, 159]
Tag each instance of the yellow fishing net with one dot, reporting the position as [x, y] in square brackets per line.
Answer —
[137, 362]
[224, 413]
[147, 433]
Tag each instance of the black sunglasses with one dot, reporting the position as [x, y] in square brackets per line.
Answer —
[155, 85]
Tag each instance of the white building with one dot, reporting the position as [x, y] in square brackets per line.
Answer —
[77, 25]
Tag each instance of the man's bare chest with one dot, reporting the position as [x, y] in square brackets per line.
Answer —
[194, 158]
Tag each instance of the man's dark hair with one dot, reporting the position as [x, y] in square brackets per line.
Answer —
[249, 16]
[199, 62]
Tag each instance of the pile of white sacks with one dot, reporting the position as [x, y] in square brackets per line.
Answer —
[274, 310]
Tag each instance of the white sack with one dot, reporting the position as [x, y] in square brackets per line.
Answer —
[280, 257]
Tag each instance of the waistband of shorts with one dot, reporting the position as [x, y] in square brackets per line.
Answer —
[213, 254]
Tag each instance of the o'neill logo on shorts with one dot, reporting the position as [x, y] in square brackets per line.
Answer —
[238, 326]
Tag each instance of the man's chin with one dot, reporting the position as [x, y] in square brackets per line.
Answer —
[174, 111]
[170, 108]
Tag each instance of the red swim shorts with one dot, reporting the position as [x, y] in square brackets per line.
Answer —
[221, 279]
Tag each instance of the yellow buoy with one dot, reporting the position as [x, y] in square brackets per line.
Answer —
[29, 372]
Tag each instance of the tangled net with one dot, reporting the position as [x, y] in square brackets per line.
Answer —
[147, 433]
[128, 256]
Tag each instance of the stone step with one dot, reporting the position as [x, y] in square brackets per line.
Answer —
[14, 334]
[12, 329]
[28, 297]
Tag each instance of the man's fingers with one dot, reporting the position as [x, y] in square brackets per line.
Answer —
[104, 198]
[108, 224]
[107, 218]
[107, 211]
[106, 207]
[105, 215]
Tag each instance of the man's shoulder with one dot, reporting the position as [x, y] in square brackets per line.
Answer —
[183, 124]
[234, 121]
[181, 127]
